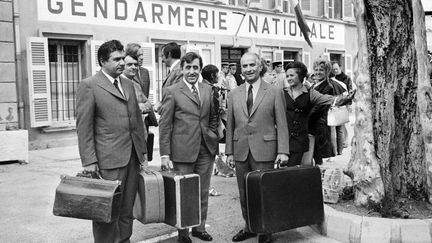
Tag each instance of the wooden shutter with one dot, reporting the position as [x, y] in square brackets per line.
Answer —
[94, 47]
[149, 62]
[306, 60]
[278, 56]
[305, 5]
[348, 12]
[39, 81]
[348, 65]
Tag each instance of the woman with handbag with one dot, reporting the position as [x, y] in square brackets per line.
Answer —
[300, 102]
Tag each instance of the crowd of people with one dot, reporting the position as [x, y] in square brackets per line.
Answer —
[264, 118]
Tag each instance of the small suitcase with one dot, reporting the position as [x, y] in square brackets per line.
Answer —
[182, 199]
[149, 206]
[87, 198]
[283, 199]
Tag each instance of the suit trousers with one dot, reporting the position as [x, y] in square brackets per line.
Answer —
[120, 230]
[242, 168]
[203, 166]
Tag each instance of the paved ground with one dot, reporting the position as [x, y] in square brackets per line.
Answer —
[28, 195]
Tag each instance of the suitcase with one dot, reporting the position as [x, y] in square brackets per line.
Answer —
[283, 199]
[149, 206]
[87, 198]
[182, 199]
[150, 143]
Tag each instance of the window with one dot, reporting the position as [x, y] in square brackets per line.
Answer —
[333, 9]
[244, 3]
[65, 74]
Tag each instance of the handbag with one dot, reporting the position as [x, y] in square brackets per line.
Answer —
[87, 198]
[337, 115]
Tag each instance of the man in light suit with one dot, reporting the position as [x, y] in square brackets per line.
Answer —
[188, 133]
[171, 54]
[110, 135]
[257, 131]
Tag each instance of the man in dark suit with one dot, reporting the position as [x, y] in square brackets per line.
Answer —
[110, 135]
[188, 133]
[142, 77]
[257, 131]
[171, 54]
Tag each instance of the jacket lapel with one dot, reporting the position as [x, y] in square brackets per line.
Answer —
[243, 98]
[260, 95]
[124, 87]
[185, 90]
[105, 84]
[204, 99]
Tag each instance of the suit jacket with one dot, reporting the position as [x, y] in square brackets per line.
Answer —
[173, 77]
[144, 80]
[183, 123]
[108, 124]
[265, 132]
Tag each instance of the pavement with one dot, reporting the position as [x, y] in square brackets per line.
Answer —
[28, 195]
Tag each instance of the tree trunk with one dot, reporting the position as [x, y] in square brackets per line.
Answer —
[389, 155]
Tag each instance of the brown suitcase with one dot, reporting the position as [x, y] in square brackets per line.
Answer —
[87, 198]
[182, 199]
[149, 204]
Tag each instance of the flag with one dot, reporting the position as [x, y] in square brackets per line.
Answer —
[301, 21]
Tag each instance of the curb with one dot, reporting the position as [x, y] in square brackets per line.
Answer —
[351, 228]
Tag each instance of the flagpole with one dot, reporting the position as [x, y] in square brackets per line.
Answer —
[244, 15]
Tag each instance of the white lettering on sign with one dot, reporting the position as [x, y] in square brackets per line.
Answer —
[184, 17]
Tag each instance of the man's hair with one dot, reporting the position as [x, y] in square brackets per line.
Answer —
[300, 68]
[326, 63]
[207, 72]
[132, 50]
[107, 48]
[172, 48]
[189, 57]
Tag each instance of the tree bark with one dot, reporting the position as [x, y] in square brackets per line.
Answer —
[389, 155]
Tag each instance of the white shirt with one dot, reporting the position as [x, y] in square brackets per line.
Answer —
[255, 88]
[111, 79]
[190, 87]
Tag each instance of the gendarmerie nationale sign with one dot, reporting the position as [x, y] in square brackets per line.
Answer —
[184, 17]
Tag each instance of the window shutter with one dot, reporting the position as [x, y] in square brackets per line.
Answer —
[306, 60]
[278, 56]
[348, 65]
[94, 47]
[348, 10]
[305, 5]
[39, 81]
[326, 8]
[149, 62]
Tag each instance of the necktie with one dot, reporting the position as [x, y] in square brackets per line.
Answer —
[116, 84]
[249, 101]
[195, 93]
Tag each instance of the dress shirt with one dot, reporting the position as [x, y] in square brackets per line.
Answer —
[255, 88]
[111, 79]
[190, 87]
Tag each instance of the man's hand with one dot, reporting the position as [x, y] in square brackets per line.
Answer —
[91, 167]
[166, 163]
[230, 161]
[144, 163]
[281, 159]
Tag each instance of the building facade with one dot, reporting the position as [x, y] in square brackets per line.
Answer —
[55, 44]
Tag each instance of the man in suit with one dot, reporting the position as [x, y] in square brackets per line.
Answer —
[188, 133]
[110, 135]
[171, 54]
[142, 75]
[257, 131]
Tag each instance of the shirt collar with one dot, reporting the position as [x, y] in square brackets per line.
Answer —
[174, 64]
[111, 79]
[255, 85]
[190, 85]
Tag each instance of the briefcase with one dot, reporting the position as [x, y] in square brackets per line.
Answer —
[149, 204]
[283, 199]
[87, 198]
[150, 143]
[182, 199]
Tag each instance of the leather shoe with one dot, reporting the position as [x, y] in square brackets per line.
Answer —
[202, 235]
[266, 238]
[184, 239]
[243, 235]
